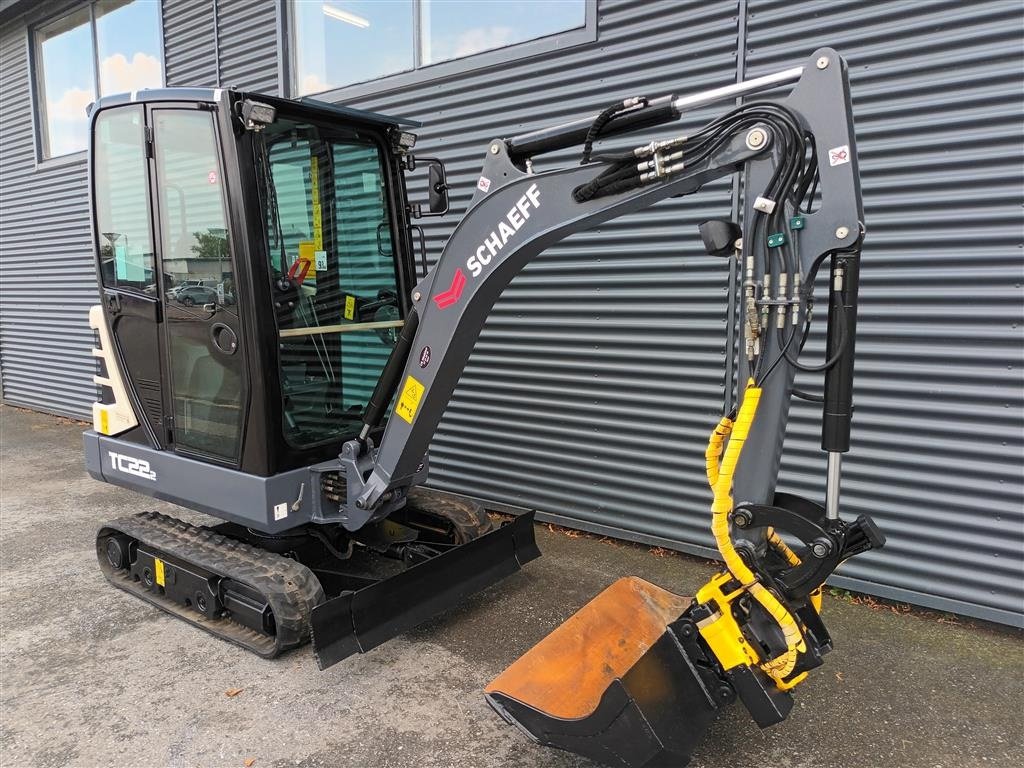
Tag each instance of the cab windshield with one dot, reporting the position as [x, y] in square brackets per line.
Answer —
[333, 274]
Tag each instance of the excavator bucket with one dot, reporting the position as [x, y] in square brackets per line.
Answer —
[618, 682]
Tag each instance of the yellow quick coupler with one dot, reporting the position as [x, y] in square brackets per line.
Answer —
[720, 630]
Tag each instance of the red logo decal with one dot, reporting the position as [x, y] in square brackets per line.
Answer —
[451, 296]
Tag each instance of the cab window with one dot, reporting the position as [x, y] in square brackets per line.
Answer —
[120, 189]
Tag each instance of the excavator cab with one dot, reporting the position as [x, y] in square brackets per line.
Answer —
[255, 262]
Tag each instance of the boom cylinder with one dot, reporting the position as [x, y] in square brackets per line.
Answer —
[388, 381]
[657, 112]
[665, 109]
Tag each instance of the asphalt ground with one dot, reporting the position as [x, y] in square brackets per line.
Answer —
[90, 676]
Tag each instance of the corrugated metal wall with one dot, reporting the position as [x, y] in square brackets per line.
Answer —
[247, 42]
[47, 279]
[190, 43]
[593, 387]
[230, 43]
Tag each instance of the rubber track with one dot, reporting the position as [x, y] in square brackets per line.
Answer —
[289, 587]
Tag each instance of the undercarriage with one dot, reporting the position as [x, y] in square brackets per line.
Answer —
[348, 592]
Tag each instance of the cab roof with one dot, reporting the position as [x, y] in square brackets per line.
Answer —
[214, 95]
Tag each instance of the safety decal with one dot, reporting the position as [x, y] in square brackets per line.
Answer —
[451, 296]
[161, 577]
[839, 155]
[280, 511]
[407, 404]
[484, 184]
[424, 357]
[350, 307]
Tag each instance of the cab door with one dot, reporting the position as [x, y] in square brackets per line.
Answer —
[201, 331]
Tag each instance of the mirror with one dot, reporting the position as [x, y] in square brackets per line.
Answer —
[438, 184]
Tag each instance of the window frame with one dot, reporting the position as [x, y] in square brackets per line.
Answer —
[425, 73]
[37, 88]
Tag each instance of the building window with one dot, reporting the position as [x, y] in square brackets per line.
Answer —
[114, 44]
[339, 43]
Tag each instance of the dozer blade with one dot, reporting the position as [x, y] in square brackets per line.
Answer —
[355, 622]
[613, 683]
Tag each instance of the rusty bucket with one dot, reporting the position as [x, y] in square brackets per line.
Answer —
[619, 682]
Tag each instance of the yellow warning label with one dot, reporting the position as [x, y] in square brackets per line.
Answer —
[307, 259]
[159, 565]
[350, 307]
[412, 392]
[104, 422]
[314, 184]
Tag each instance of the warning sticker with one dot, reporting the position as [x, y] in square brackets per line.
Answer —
[484, 184]
[412, 393]
[280, 511]
[839, 155]
[158, 566]
[350, 307]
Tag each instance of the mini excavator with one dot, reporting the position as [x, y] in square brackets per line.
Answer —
[271, 352]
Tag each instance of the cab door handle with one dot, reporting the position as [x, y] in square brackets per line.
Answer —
[224, 339]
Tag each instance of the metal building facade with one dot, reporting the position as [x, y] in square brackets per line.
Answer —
[596, 381]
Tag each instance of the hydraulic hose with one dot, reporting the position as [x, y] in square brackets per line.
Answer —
[716, 443]
[783, 665]
[713, 456]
